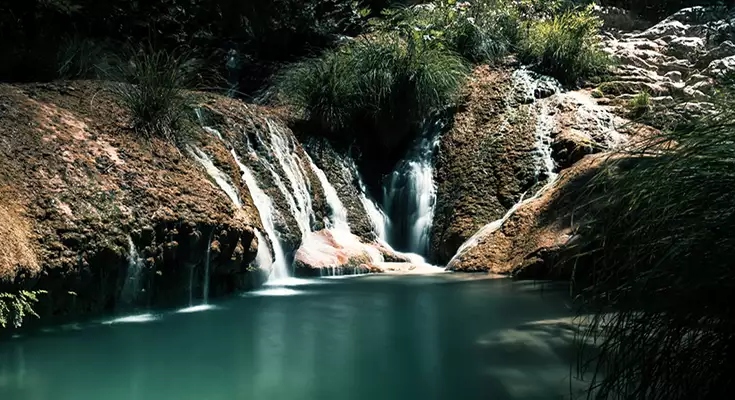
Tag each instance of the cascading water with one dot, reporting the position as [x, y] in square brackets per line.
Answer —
[378, 219]
[409, 195]
[207, 255]
[528, 83]
[339, 213]
[266, 210]
[283, 148]
[215, 173]
[131, 287]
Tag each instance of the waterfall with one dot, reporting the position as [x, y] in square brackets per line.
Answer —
[530, 83]
[215, 173]
[264, 204]
[545, 166]
[378, 219]
[131, 287]
[339, 212]
[205, 293]
[283, 149]
[409, 194]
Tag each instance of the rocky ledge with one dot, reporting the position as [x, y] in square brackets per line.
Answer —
[105, 220]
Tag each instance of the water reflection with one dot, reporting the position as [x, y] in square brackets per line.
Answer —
[369, 338]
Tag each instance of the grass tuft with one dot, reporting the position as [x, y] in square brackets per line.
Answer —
[566, 46]
[654, 266]
[372, 81]
[151, 85]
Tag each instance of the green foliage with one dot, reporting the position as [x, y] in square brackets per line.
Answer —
[376, 81]
[565, 46]
[15, 308]
[150, 85]
[481, 31]
[654, 265]
[639, 105]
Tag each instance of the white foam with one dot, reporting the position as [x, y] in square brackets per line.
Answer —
[198, 308]
[133, 319]
[276, 292]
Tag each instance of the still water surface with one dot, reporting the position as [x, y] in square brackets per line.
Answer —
[444, 336]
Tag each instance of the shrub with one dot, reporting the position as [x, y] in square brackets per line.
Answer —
[639, 105]
[566, 46]
[481, 31]
[151, 85]
[15, 308]
[655, 269]
[372, 80]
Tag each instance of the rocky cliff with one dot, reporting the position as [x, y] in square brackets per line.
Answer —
[678, 63]
[83, 199]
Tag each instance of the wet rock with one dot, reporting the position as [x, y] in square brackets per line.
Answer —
[528, 243]
[100, 188]
[485, 162]
[326, 251]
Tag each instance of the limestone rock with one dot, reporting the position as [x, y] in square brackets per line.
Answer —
[486, 161]
[721, 68]
[685, 47]
[723, 50]
[92, 191]
[328, 250]
[674, 76]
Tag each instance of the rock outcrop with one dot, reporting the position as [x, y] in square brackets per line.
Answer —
[82, 198]
[485, 161]
[327, 253]
[529, 242]
[511, 134]
[677, 61]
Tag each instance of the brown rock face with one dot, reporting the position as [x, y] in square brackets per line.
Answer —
[485, 162]
[345, 184]
[528, 243]
[77, 187]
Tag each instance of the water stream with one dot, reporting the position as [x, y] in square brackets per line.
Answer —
[131, 287]
[409, 194]
[278, 267]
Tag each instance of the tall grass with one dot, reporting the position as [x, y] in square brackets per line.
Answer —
[566, 46]
[372, 80]
[655, 266]
[151, 86]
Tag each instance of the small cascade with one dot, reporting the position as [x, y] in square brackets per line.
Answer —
[202, 121]
[131, 287]
[378, 219]
[205, 291]
[222, 180]
[283, 150]
[409, 195]
[339, 221]
[266, 210]
[529, 83]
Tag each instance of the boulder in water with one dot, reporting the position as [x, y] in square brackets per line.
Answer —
[328, 252]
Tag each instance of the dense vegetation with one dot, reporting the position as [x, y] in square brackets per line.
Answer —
[655, 264]
[41, 37]
[413, 61]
